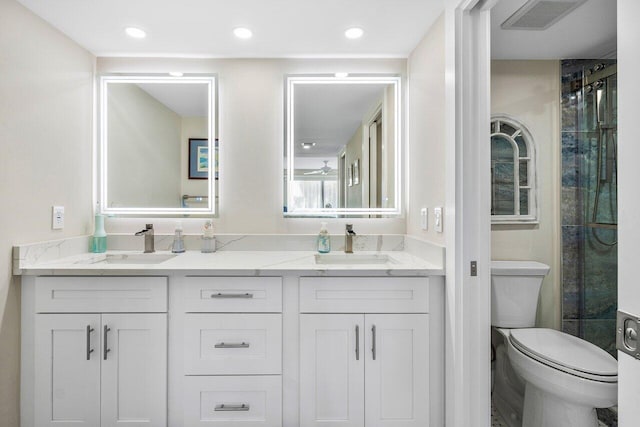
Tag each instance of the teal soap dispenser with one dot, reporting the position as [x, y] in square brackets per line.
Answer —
[324, 239]
[99, 238]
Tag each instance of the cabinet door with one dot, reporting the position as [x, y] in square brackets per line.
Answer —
[397, 370]
[134, 370]
[332, 370]
[67, 370]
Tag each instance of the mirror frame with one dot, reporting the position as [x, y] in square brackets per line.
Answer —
[103, 141]
[294, 80]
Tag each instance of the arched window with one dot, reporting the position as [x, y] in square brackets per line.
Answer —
[513, 173]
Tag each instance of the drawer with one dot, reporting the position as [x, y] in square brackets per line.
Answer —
[364, 294]
[233, 294]
[100, 294]
[233, 401]
[224, 344]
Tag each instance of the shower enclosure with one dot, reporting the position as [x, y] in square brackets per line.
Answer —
[589, 200]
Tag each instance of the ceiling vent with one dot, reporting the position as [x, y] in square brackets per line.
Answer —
[540, 14]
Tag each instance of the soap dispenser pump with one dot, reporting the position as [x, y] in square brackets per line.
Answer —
[323, 242]
[99, 238]
[178, 240]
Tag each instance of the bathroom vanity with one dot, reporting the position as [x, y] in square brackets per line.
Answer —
[235, 338]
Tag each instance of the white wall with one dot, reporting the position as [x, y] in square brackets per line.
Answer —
[144, 149]
[251, 133]
[46, 88]
[530, 92]
[426, 157]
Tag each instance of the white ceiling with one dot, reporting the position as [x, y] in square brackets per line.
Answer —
[309, 28]
[329, 115]
[204, 28]
[186, 100]
[587, 32]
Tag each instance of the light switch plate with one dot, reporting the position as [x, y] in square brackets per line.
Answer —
[424, 218]
[57, 217]
[437, 221]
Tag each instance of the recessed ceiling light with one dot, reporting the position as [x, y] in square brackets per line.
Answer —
[307, 145]
[242, 33]
[342, 75]
[354, 33]
[136, 33]
[176, 74]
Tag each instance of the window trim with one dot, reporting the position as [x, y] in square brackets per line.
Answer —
[532, 178]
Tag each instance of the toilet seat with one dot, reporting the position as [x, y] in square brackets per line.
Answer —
[566, 353]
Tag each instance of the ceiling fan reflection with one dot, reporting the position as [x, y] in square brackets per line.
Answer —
[324, 170]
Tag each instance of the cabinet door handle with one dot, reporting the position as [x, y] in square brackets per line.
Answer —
[232, 345]
[89, 349]
[233, 408]
[357, 342]
[373, 341]
[221, 295]
[106, 346]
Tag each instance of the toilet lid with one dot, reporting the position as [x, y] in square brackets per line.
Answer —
[566, 353]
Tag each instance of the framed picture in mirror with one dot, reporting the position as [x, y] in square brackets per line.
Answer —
[198, 158]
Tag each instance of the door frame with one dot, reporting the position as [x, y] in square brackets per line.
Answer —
[628, 219]
[467, 213]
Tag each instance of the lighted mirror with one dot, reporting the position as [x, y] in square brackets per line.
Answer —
[342, 146]
[158, 153]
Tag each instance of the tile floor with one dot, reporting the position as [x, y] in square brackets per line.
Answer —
[496, 420]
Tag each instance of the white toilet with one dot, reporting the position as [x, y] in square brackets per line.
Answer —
[543, 377]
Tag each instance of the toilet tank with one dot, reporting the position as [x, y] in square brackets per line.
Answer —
[515, 286]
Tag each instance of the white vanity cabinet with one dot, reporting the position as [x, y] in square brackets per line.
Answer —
[192, 348]
[369, 369]
[95, 366]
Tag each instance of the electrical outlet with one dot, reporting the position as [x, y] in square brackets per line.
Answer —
[437, 223]
[424, 218]
[57, 217]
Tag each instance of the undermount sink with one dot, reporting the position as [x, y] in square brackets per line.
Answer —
[134, 258]
[354, 259]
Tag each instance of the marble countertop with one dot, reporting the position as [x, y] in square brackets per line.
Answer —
[255, 263]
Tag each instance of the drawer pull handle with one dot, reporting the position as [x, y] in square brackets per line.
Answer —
[89, 349]
[233, 408]
[232, 345]
[221, 295]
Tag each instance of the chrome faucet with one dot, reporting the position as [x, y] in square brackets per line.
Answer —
[148, 238]
[348, 239]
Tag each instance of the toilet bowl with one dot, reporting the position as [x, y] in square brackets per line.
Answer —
[544, 377]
